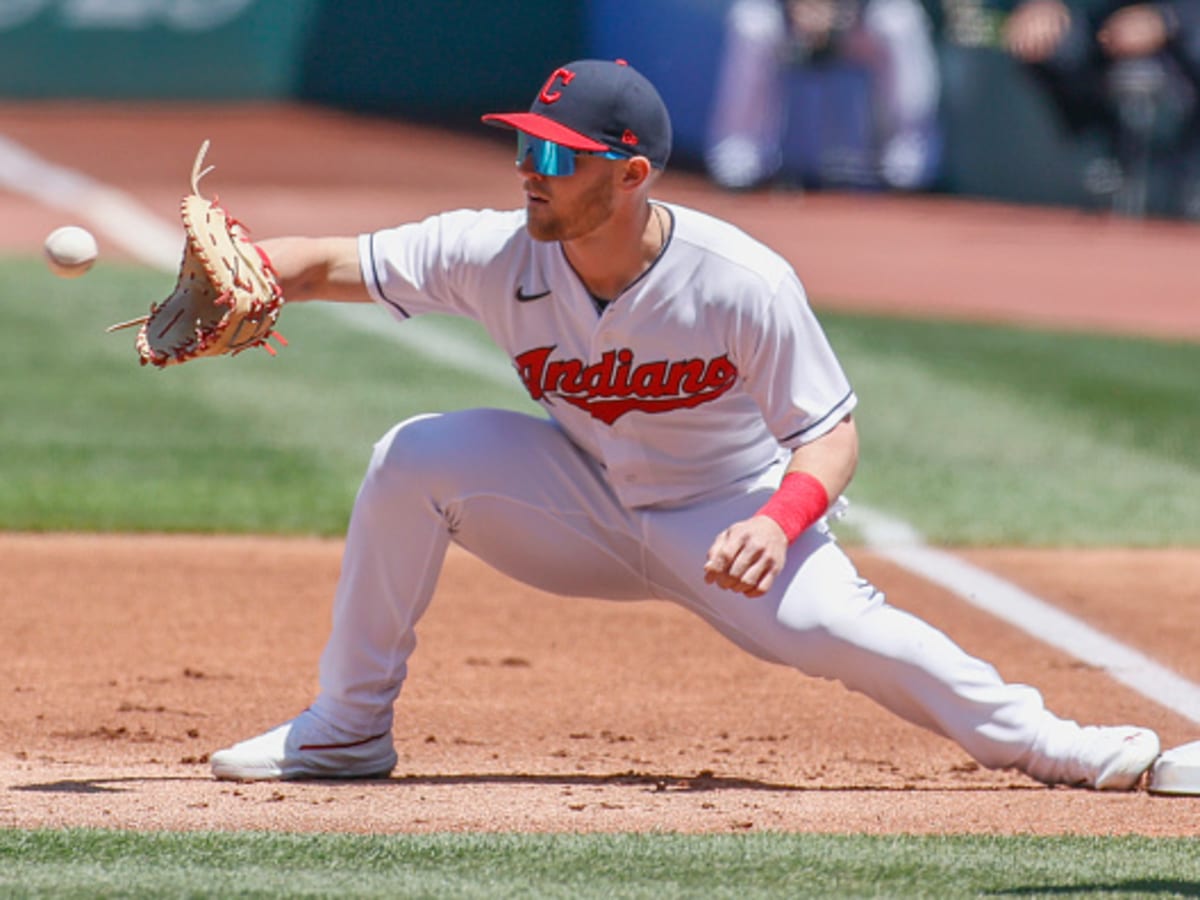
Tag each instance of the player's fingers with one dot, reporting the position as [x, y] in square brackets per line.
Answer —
[764, 583]
[716, 563]
[716, 570]
[724, 581]
[746, 559]
[746, 583]
[722, 553]
[759, 577]
[753, 574]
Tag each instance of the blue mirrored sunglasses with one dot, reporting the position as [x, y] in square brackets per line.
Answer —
[554, 159]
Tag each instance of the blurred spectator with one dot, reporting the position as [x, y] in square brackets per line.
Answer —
[1126, 77]
[826, 92]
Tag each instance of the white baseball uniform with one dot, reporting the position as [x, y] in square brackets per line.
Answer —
[672, 413]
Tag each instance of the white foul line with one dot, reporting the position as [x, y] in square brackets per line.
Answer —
[123, 220]
[154, 242]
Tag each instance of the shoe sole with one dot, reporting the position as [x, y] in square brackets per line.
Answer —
[241, 772]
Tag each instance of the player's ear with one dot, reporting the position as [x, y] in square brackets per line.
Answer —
[635, 172]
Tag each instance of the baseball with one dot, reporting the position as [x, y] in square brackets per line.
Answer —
[70, 251]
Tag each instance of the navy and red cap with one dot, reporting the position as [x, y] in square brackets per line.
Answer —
[594, 104]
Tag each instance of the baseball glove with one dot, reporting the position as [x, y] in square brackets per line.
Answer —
[227, 296]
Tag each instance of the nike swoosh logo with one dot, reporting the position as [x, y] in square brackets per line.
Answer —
[523, 297]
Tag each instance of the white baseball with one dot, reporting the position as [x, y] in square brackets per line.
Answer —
[70, 251]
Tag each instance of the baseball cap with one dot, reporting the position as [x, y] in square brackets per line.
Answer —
[597, 105]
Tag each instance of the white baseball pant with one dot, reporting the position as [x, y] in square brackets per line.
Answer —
[513, 490]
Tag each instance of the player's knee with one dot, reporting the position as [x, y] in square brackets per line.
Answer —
[821, 630]
[436, 453]
[407, 453]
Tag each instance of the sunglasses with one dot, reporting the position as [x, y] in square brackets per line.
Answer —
[554, 159]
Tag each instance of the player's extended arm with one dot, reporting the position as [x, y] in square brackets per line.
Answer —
[748, 555]
[317, 268]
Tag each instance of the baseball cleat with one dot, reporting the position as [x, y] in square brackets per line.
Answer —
[1119, 756]
[306, 747]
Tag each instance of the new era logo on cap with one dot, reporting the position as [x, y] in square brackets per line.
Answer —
[597, 105]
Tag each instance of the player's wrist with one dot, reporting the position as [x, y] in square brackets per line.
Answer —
[799, 501]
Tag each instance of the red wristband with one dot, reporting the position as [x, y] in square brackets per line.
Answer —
[800, 500]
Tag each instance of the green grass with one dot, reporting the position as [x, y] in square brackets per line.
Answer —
[989, 435]
[89, 440]
[977, 435]
[84, 863]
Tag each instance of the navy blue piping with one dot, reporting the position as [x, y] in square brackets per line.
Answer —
[379, 287]
[837, 406]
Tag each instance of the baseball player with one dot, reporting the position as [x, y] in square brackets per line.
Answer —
[697, 427]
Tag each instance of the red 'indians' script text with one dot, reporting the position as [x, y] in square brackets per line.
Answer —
[608, 389]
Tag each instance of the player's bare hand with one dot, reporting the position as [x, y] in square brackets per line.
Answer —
[747, 556]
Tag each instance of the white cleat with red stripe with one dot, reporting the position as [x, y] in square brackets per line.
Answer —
[306, 747]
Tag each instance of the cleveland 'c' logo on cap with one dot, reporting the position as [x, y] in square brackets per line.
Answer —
[548, 94]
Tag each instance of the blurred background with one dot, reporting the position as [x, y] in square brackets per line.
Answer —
[1081, 103]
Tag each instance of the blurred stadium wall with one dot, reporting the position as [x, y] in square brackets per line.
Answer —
[447, 61]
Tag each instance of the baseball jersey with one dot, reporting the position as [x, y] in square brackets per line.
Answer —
[704, 371]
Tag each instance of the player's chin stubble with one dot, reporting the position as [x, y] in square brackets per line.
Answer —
[593, 208]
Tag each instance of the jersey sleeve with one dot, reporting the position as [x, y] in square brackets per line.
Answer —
[435, 265]
[790, 368]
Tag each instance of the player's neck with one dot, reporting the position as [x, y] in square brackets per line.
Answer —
[610, 259]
